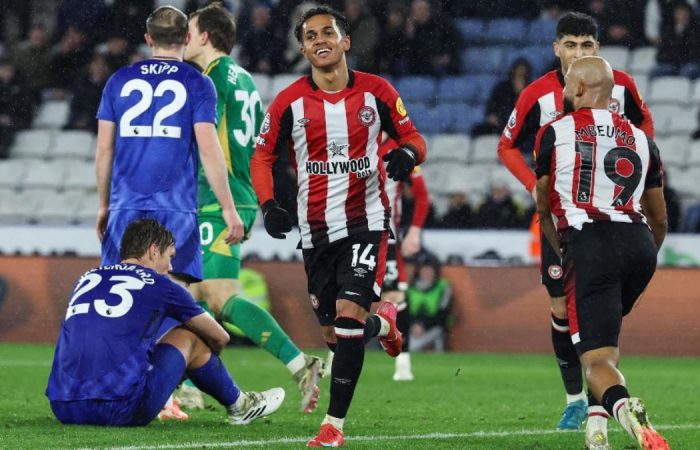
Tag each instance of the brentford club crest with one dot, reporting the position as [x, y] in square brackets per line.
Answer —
[314, 301]
[555, 272]
[614, 105]
[367, 116]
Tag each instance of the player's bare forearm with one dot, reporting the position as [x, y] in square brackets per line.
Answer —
[103, 160]
[210, 331]
[106, 132]
[545, 214]
[411, 242]
[654, 207]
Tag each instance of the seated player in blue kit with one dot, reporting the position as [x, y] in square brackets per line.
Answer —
[109, 367]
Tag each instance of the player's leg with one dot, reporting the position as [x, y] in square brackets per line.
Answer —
[181, 351]
[564, 351]
[359, 269]
[598, 297]
[394, 291]
[220, 290]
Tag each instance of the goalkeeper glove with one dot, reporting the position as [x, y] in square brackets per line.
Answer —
[401, 162]
[277, 220]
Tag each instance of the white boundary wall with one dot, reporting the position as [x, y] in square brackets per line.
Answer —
[466, 246]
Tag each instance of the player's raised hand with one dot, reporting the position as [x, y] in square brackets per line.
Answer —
[277, 220]
[235, 226]
[102, 216]
[401, 162]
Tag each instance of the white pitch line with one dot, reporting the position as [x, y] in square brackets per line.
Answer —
[407, 437]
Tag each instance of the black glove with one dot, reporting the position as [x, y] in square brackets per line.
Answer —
[277, 220]
[401, 160]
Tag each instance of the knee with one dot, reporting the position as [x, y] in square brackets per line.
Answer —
[328, 334]
[559, 307]
[216, 297]
[600, 357]
[346, 308]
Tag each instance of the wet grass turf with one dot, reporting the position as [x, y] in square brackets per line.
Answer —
[458, 401]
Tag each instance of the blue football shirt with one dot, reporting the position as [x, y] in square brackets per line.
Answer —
[155, 104]
[111, 326]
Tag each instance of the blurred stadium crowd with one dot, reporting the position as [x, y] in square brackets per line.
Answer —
[459, 66]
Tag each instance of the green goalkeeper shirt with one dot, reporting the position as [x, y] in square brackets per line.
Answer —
[239, 114]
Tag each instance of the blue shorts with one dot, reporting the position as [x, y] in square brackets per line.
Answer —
[187, 262]
[166, 372]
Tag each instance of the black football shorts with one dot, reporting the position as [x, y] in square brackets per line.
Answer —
[350, 269]
[551, 269]
[607, 266]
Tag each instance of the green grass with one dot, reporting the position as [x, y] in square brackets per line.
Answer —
[475, 401]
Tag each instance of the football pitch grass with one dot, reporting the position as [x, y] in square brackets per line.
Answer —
[457, 401]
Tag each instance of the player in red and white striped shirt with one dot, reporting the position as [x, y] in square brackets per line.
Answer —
[331, 123]
[395, 285]
[539, 103]
[602, 178]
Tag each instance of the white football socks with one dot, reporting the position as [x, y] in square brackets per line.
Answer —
[336, 422]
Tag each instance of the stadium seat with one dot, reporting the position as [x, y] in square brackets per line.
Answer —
[73, 144]
[471, 30]
[80, 175]
[663, 116]
[642, 83]
[673, 150]
[684, 124]
[473, 180]
[456, 89]
[685, 182]
[417, 89]
[21, 207]
[12, 172]
[501, 175]
[52, 114]
[642, 60]
[436, 175]
[696, 91]
[693, 158]
[617, 56]
[450, 147]
[33, 144]
[432, 120]
[60, 208]
[86, 210]
[463, 117]
[45, 175]
[483, 60]
[669, 90]
[264, 85]
[446, 177]
[485, 149]
[281, 81]
[507, 31]
[542, 31]
[484, 84]
[540, 57]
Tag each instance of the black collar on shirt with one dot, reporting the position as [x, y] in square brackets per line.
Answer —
[351, 80]
[561, 77]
